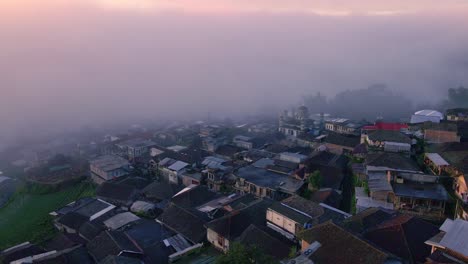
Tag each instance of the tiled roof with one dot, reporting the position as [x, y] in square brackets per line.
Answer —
[184, 222]
[161, 191]
[261, 238]
[340, 246]
[391, 160]
[111, 243]
[116, 192]
[366, 219]
[194, 197]
[390, 136]
[404, 236]
[232, 225]
[341, 140]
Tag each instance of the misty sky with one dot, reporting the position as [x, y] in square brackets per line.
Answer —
[66, 63]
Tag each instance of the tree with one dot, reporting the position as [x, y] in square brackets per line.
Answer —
[315, 180]
[457, 97]
[240, 254]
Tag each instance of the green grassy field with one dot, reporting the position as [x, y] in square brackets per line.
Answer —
[26, 216]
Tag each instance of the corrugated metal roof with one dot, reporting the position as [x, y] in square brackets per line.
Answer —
[178, 165]
[455, 238]
[437, 159]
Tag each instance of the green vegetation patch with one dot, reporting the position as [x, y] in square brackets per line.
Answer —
[26, 217]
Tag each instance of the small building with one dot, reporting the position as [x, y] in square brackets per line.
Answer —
[441, 133]
[390, 163]
[457, 114]
[108, 167]
[222, 232]
[424, 200]
[172, 170]
[191, 178]
[341, 144]
[72, 217]
[435, 162]
[113, 243]
[137, 147]
[295, 214]
[390, 141]
[185, 223]
[404, 236]
[265, 183]
[160, 191]
[118, 194]
[266, 240]
[120, 220]
[330, 243]
[451, 241]
[343, 126]
[243, 142]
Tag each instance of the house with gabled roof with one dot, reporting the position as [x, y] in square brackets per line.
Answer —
[294, 214]
[330, 243]
[451, 241]
[222, 232]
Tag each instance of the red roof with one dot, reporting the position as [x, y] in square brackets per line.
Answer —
[386, 126]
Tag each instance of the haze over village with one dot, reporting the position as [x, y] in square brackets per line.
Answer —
[292, 132]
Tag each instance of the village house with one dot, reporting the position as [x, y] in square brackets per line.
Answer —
[403, 236]
[265, 183]
[295, 214]
[410, 193]
[223, 231]
[343, 126]
[70, 218]
[119, 194]
[292, 124]
[435, 163]
[113, 243]
[340, 144]
[453, 161]
[332, 168]
[441, 133]
[449, 245]
[330, 243]
[158, 192]
[425, 200]
[190, 177]
[390, 141]
[266, 240]
[457, 114]
[136, 147]
[108, 167]
[172, 170]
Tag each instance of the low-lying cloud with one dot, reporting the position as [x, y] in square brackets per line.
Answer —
[64, 65]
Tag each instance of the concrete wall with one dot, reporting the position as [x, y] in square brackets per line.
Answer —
[214, 239]
[281, 221]
[437, 136]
